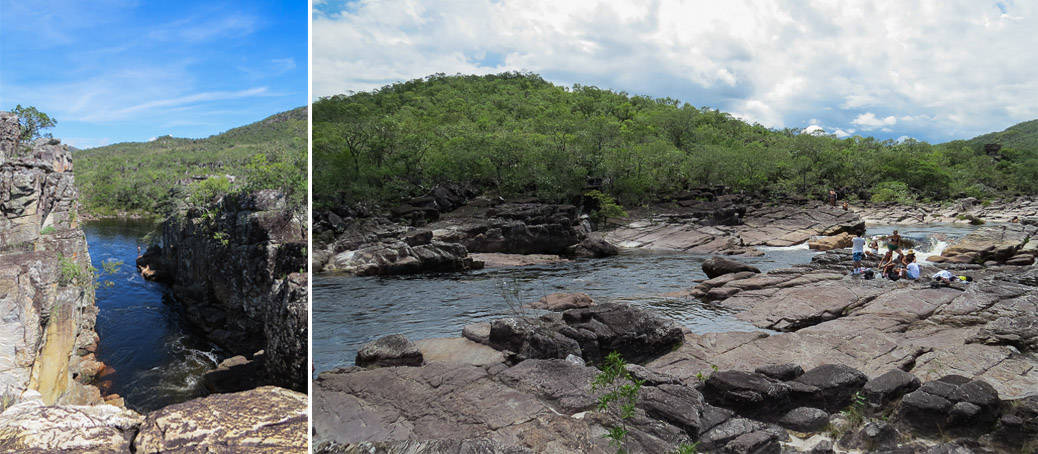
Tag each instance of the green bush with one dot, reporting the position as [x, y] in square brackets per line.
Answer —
[892, 191]
[607, 206]
[72, 273]
[207, 191]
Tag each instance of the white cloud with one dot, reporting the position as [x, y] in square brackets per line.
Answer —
[869, 121]
[813, 129]
[777, 62]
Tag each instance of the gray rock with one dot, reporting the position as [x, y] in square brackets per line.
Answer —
[591, 333]
[716, 266]
[265, 419]
[389, 351]
[781, 372]
[759, 442]
[836, 383]
[889, 386]
[805, 419]
[563, 301]
[747, 393]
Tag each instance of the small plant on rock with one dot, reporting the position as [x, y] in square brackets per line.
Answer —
[688, 448]
[48, 230]
[620, 398]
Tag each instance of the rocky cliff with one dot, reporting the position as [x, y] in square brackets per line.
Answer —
[47, 309]
[237, 268]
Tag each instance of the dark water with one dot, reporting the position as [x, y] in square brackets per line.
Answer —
[350, 311]
[157, 361]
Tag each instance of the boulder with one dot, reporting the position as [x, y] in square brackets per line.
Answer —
[825, 243]
[591, 333]
[716, 266]
[836, 384]
[951, 404]
[389, 351]
[1020, 331]
[889, 387]
[265, 419]
[563, 301]
[781, 372]
[805, 419]
[748, 394]
[594, 246]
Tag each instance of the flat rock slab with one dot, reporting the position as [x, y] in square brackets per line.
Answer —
[33, 427]
[265, 419]
[443, 401]
[875, 327]
[500, 260]
[458, 350]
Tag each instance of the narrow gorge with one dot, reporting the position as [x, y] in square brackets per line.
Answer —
[49, 369]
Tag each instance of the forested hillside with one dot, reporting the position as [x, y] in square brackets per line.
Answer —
[1021, 137]
[516, 134]
[137, 176]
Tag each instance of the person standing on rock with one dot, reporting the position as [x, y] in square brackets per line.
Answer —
[894, 242]
[857, 251]
[832, 198]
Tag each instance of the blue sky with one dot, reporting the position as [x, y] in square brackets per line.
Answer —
[114, 71]
[931, 70]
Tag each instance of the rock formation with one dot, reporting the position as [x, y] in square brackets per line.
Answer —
[47, 309]
[47, 341]
[238, 271]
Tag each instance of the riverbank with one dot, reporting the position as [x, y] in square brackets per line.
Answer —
[903, 344]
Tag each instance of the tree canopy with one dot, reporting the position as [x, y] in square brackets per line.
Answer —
[138, 176]
[33, 122]
[515, 134]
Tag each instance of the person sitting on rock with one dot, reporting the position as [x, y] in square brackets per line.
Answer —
[911, 267]
[857, 250]
[886, 264]
[874, 246]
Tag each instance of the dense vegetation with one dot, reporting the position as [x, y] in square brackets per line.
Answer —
[138, 177]
[516, 134]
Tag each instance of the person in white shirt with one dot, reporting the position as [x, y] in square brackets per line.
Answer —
[857, 250]
[912, 269]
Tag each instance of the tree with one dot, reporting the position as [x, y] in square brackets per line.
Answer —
[33, 123]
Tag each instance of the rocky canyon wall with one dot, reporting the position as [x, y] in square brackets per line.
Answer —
[47, 311]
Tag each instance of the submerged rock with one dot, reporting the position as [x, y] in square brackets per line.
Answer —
[716, 266]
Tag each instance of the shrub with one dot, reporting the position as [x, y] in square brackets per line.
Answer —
[892, 191]
[621, 396]
[207, 191]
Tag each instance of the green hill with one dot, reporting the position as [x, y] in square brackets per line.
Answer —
[1021, 136]
[516, 134]
[137, 177]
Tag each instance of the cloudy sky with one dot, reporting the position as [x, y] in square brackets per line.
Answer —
[120, 70]
[932, 70]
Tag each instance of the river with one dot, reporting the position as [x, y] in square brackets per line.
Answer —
[157, 361]
[350, 311]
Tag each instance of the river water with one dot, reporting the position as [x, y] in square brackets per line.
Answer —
[157, 360]
[350, 311]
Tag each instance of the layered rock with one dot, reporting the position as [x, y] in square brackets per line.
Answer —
[965, 210]
[1000, 244]
[507, 234]
[676, 229]
[238, 271]
[47, 336]
[265, 419]
[979, 330]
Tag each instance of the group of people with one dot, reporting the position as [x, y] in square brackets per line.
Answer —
[896, 265]
[890, 267]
